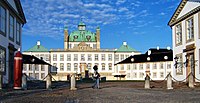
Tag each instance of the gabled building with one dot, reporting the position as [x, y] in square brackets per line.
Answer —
[80, 54]
[157, 63]
[12, 20]
[185, 25]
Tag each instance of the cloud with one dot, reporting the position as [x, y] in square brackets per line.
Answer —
[48, 17]
[120, 2]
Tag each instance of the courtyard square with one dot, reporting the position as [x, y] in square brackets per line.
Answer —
[110, 92]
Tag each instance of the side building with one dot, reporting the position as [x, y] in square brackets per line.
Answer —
[185, 25]
[80, 54]
[12, 20]
[157, 63]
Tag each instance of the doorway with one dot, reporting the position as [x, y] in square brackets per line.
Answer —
[190, 63]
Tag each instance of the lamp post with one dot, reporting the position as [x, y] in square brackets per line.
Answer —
[176, 62]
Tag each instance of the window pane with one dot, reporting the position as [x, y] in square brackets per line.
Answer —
[11, 27]
[2, 19]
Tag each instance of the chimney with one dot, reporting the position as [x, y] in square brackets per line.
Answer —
[38, 44]
[149, 52]
[168, 48]
[158, 48]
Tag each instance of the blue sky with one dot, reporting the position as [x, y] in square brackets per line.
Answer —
[141, 23]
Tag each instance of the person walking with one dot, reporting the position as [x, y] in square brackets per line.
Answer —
[96, 76]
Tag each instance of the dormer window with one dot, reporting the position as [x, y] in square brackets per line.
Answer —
[75, 37]
[88, 37]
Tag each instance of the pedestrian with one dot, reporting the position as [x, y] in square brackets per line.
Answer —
[96, 76]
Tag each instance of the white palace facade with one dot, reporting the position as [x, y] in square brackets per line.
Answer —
[185, 24]
[81, 52]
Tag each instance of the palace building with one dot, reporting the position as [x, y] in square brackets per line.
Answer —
[157, 63]
[185, 25]
[82, 51]
[11, 21]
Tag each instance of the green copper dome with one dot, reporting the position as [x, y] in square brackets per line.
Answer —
[82, 35]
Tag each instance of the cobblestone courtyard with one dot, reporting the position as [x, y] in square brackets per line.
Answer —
[110, 92]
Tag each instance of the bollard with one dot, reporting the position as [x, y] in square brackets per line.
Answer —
[191, 81]
[1, 81]
[48, 81]
[73, 82]
[24, 81]
[169, 81]
[147, 82]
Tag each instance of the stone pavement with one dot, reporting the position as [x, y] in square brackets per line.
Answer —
[110, 92]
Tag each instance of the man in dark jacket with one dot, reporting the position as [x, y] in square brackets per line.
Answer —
[96, 76]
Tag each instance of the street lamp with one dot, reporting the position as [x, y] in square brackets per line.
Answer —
[176, 62]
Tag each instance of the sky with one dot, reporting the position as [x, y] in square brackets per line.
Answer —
[140, 23]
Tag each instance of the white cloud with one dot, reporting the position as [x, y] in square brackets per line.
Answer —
[120, 2]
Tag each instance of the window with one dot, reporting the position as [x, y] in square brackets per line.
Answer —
[103, 57]
[161, 75]
[47, 57]
[2, 59]
[154, 75]
[18, 33]
[68, 57]
[127, 56]
[141, 75]
[190, 29]
[11, 28]
[122, 57]
[97, 64]
[36, 67]
[148, 66]
[61, 57]
[103, 66]
[94, 46]
[89, 57]
[179, 69]
[75, 57]
[161, 65]
[134, 66]
[128, 67]
[141, 67]
[24, 66]
[2, 20]
[54, 66]
[61, 66]
[41, 56]
[117, 57]
[54, 57]
[178, 34]
[109, 57]
[30, 67]
[110, 66]
[134, 75]
[68, 67]
[122, 67]
[42, 68]
[75, 66]
[82, 57]
[89, 66]
[96, 57]
[154, 66]
[42, 75]
[30, 74]
[37, 76]
[169, 66]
